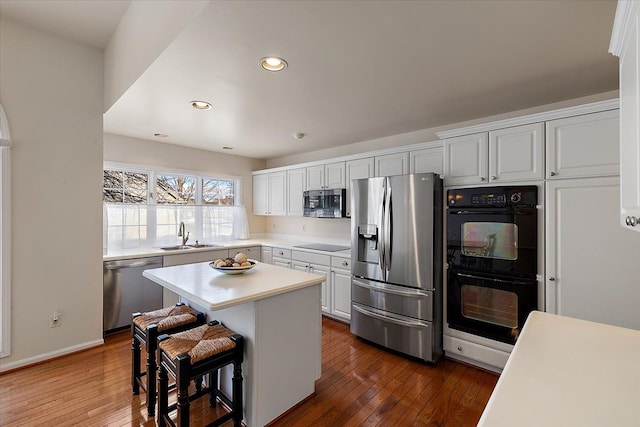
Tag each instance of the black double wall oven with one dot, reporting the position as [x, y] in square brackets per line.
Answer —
[492, 257]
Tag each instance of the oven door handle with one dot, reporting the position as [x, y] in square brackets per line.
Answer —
[531, 211]
[388, 319]
[512, 282]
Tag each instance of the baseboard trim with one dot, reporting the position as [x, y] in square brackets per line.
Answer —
[45, 357]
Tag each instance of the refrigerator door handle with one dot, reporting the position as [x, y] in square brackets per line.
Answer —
[387, 226]
[381, 242]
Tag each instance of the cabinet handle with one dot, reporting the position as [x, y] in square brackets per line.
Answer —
[631, 221]
[482, 178]
[459, 348]
[493, 177]
[345, 263]
[551, 279]
[552, 173]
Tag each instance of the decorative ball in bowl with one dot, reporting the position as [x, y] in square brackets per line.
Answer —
[236, 265]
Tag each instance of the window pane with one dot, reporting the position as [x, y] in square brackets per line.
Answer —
[217, 192]
[112, 196]
[112, 179]
[175, 189]
[135, 187]
[226, 193]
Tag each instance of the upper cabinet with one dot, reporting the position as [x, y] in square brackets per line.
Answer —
[269, 193]
[296, 179]
[584, 146]
[427, 160]
[327, 176]
[392, 164]
[357, 169]
[625, 43]
[511, 154]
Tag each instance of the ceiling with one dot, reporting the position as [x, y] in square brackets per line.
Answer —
[357, 70]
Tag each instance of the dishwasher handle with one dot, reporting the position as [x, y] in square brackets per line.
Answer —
[117, 265]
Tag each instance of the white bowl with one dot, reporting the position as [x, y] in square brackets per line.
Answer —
[233, 270]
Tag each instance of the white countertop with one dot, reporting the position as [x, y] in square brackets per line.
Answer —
[214, 290]
[279, 241]
[568, 372]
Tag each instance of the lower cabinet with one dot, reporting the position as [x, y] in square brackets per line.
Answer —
[281, 257]
[316, 264]
[252, 252]
[265, 255]
[340, 282]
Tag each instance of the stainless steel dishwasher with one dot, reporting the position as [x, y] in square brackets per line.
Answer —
[126, 291]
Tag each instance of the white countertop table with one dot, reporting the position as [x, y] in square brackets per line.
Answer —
[568, 372]
[277, 311]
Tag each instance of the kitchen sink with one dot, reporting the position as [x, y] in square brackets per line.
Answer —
[204, 245]
[174, 248]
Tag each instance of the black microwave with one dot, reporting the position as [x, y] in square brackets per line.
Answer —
[325, 203]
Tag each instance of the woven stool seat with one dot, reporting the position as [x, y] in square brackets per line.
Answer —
[145, 328]
[199, 343]
[167, 318]
[191, 355]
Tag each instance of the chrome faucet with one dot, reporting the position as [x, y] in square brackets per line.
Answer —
[181, 233]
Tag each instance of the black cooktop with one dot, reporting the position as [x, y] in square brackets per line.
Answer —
[324, 247]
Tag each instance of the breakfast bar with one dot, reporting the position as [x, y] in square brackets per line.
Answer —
[278, 312]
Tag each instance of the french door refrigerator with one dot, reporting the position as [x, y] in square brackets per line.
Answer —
[396, 257]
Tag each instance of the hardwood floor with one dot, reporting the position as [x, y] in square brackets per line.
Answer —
[360, 385]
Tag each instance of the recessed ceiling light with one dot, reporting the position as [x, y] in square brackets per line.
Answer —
[200, 105]
[160, 135]
[227, 148]
[273, 63]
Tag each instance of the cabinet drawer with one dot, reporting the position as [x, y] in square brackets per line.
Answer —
[339, 262]
[311, 257]
[281, 252]
[472, 352]
[413, 303]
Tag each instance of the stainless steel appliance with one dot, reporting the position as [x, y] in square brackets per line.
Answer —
[126, 291]
[396, 254]
[325, 203]
[492, 258]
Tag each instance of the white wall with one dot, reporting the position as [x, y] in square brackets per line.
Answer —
[52, 92]
[124, 149]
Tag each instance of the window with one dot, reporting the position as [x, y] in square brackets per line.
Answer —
[146, 207]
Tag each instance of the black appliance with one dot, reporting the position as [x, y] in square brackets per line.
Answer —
[325, 203]
[492, 255]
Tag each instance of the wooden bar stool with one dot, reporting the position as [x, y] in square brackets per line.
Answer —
[190, 355]
[145, 328]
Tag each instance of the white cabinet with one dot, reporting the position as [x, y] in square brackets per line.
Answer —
[269, 194]
[504, 155]
[426, 160]
[265, 255]
[253, 252]
[625, 43]
[317, 264]
[517, 153]
[392, 164]
[591, 262]
[583, 146]
[466, 159]
[328, 176]
[296, 179]
[281, 257]
[357, 169]
[340, 289]
[171, 298]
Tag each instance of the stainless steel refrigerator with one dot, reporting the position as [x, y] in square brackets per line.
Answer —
[396, 257]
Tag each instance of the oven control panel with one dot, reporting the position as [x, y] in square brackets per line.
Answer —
[493, 196]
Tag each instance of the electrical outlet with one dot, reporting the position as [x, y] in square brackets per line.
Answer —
[304, 227]
[55, 319]
[273, 226]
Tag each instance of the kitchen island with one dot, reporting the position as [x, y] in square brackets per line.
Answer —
[568, 372]
[277, 310]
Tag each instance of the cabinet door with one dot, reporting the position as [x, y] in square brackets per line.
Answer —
[341, 293]
[281, 262]
[277, 191]
[427, 160]
[334, 175]
[260, 194]
[591, 262]
[295, 187]
[516, 154]
[465, 159]
[392, 164]
[315, 177]
[265, 255]
[357, 169]
[252, 252]
[630, 123]
[584, 146]
[326, 297]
